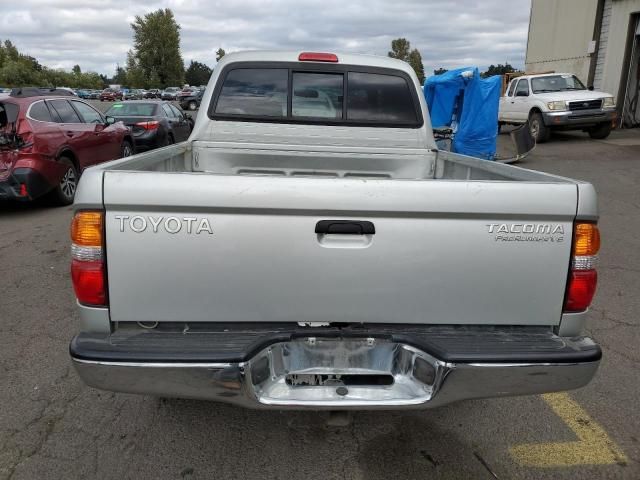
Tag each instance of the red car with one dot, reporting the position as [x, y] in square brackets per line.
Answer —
[110, 95]
[47, 138]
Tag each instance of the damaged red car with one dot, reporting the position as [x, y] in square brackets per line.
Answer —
[47, 139]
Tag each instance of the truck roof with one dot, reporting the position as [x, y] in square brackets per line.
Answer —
[292, 56]
[553, 74]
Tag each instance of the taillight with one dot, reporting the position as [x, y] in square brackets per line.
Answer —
[152, 125]
[318, 57]
[87, 258]
[583, 277]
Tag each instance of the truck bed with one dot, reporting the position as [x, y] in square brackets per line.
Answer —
[443, 223]
[375, 163]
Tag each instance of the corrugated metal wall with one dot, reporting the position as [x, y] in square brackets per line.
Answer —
[621, 11]
[602, 44]
[559, 36]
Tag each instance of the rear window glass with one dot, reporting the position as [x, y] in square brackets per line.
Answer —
[39, 111]
[254, 91]
[317, 95]
[379, 98]
[132, 110]
[66, 113]
[8, 114]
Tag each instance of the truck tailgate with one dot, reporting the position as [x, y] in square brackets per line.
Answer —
[196, 247]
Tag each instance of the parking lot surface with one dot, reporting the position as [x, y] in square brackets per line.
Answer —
[52, 426]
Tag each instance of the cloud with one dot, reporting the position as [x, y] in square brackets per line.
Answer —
[97, 35]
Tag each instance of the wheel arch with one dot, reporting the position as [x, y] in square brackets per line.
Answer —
[67, 152]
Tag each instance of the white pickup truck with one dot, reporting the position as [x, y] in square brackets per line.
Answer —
[556, 101]
[309, 247]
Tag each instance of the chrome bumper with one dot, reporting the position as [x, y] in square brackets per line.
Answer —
[578, 117]
[329, 373]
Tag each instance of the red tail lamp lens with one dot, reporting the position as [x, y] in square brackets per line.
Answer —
[88, 282]
[152, 125]
[581, 289]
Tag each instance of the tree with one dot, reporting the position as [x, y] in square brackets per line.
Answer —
[20, 70]
[156, 46]
[498, 70]
[135, 75]
[440, 71]
[120, 78]
[219, 54]
[197, 73]
[415, 60]
[400, 48]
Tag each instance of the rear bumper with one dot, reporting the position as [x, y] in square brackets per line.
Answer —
[374, 368]
[578, 118]
[149, 140]
[35, 184]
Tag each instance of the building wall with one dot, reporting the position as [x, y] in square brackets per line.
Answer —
[602, 43]
[616, 44]
[559, 35]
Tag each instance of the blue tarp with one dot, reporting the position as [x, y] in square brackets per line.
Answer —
[461, 99]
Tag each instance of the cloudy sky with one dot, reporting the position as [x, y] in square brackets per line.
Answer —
[96, 34]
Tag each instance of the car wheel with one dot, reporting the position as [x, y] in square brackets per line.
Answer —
[539, 131]
[600, 131]
[126, 150]
[65, 191]
[193, 105]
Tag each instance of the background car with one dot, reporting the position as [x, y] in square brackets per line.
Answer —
[153, 93]
[170, 93]
[47, 138]
[190, 100]
[85, 94]
[94, 95]
[153, 124]
[133, 94]
[110, 95]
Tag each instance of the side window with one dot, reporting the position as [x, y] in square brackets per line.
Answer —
[318, 95]
[512, 87]
[258, 92]
[523, 86]
[64, 111]
[379, 98]
[176, 113]
[39, 111]
[88, 114]
[167, 111]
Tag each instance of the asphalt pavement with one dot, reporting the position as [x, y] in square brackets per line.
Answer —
[54, 427]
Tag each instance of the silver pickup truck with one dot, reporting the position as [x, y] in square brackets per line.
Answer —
[309, 247]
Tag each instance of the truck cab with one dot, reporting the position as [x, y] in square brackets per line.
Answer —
[556, 101]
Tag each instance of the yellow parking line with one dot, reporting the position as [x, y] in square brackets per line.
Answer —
[593, 447]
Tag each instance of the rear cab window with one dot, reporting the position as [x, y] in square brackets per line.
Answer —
[256, 92]
[325, 94]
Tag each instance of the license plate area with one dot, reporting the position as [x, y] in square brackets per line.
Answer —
[343, 372]
[328, 380]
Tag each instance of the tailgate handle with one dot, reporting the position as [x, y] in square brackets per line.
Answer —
[345, 227]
